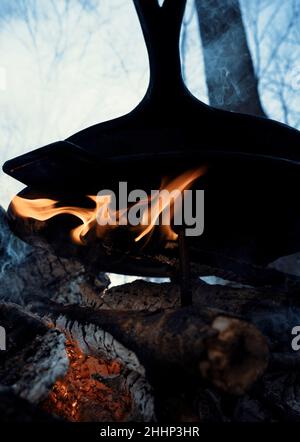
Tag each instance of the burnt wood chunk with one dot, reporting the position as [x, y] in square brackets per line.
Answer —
[205, 344]
[26, 272]
[35, 356]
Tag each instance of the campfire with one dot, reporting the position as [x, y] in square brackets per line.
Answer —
[200, 346]
[87, 392]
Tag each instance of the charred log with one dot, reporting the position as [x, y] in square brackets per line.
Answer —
[209, 345]
[35, 357]
[150, 346]
[235, 299]
[27, 271]
[37, 360]
[117, 254]
[97, 390]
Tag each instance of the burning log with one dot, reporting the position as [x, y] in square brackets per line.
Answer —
[26, 272]
[209, 344]
[119, 253]
[41, 376]
[35, 357]
[93, 390]
[131, 337]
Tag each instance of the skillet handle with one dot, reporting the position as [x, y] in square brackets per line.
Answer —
[161, 27]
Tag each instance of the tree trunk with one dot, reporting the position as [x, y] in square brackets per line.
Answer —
[230, 77]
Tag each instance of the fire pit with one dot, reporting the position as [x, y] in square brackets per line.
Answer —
[248, 170]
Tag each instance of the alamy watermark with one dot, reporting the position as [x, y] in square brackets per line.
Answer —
[296, 340]
[2, 339]
[161, 207]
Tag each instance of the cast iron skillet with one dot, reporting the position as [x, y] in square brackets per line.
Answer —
[251, 210]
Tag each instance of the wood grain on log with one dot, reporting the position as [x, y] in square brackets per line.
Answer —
[185, 348]
[26, 272]
[35, 357]
[150, 296]
[207, 344]
[106, 256]
[273, 312]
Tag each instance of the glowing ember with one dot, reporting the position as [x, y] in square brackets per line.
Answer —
[81, 397]
[103, 216]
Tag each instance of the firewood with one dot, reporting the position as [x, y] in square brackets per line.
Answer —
[187, 348]
[109, 256]
[150, 296]
[140, 295]
[272, 312]
[26, 272]
[171, 346]
[35, 357]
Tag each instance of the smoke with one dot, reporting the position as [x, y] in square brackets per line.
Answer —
[12, 249]
[13, 252]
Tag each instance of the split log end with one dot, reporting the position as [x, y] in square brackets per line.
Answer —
[236, 357]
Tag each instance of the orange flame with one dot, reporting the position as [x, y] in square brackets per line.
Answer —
[43, 209]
